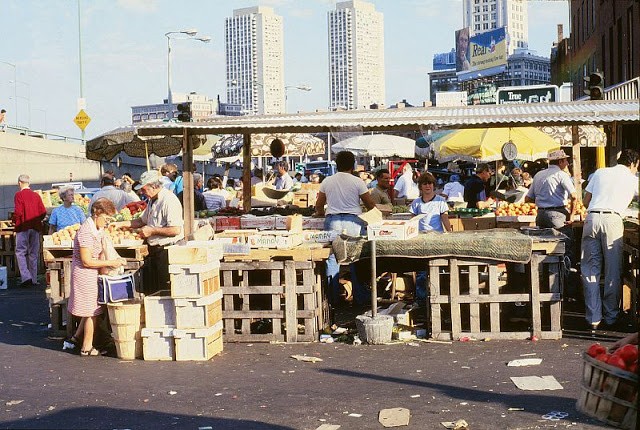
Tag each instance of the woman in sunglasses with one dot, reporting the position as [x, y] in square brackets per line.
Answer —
[85, 267]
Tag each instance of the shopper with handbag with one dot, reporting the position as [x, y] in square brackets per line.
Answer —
[85, 267]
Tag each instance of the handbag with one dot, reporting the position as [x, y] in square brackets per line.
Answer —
[112, 289]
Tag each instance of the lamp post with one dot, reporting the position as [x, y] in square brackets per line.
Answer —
[190, 34]
[15, 89]
[301, 87]
[28, 99]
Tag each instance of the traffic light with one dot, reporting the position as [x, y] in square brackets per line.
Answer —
[595, 83]
[184, 112]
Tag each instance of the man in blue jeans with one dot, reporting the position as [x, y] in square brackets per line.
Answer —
[342, 193]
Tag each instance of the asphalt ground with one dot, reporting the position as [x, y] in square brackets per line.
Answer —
[259, 386]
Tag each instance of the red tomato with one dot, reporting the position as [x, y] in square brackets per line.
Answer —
[629, 353]
[603, 357]
[596, 349]
[633, 368]
[617, 361]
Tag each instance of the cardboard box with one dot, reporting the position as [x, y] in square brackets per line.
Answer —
[291, 223]
[235, 236]
[227, 223]
[394, 230]
[311, 223]
[258, 222]
[318, 236]
[275, 240]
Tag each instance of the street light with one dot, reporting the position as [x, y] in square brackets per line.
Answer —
[301, 87]
[15, 88]
[190, 34]
[28, 99]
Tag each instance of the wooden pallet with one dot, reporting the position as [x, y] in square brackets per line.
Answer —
[129, 253]
[470, 291]
[281, 296]
[7, 242]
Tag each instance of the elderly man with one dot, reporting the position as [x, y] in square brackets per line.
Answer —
[161, 224]
[380, 193]
[342, 193]
[29, 211]
[608, 194]
[109, 191]
[283, 180]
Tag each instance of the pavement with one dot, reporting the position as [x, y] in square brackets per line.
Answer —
[259, 386]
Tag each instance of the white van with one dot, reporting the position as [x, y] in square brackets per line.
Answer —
[327, 168]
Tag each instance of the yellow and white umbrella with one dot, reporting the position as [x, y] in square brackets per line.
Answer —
[483, 145]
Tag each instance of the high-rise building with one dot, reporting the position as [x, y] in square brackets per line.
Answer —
[485, 15]
[356, 56]
[254, 50]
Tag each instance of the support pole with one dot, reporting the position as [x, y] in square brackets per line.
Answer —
[374, 289]
[187, 177]
[576, 160]
[246, 172]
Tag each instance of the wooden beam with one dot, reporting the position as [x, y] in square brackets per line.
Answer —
[246, 172]
[187, 182]
[576, 160]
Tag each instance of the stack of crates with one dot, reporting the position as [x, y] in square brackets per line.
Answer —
[185, 322]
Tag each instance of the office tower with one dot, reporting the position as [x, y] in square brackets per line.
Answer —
[356, 56]
[254, 51]
[485, 15]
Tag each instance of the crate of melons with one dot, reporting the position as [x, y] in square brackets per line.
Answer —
[608, 388]
[62, 238]
[124, 236]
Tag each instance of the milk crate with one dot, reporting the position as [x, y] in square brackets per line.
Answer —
[158, 344]
[201, 312]
[273, 301]
[194, 280]
[198, 344]
[467, 298]
[159, 310]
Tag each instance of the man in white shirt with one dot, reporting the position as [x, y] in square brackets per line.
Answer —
[342, 193]
[404, 187]
[608, 194]
[453, 190]
[284, 180]
[118, 197]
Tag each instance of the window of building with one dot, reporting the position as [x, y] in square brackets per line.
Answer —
[485, 17]
[493, 25]
[485, 26]
[476, 27]
[476, 18]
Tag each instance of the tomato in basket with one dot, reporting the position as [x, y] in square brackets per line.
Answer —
[629, 353]
[603, 357]
[595, 350]
[617, 361]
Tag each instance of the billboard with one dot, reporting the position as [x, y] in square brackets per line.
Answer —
[527, 94]
[486, 54]
[462, 50]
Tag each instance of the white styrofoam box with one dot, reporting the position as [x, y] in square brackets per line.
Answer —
[192, 280]
[158, 344]
[394, 230]
[318, 236]
[275, 240]
[259, 222]
[202, 312]
[311, 223]
[198, 344]
[159, 310]
[47, 240]
[3, 278]
[234, 236]
[196, 253]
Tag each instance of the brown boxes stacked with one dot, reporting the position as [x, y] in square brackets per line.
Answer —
[185, 323]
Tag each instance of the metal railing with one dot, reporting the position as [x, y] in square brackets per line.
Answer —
[25, 131]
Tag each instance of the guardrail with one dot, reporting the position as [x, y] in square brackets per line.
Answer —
[24, 131]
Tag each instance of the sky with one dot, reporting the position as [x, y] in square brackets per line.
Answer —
[124, 53]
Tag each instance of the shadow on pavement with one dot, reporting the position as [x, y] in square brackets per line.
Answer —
[100, 418]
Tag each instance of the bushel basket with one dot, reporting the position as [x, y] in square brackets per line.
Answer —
[608, 393]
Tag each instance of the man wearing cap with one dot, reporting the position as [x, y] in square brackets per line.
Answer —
[475, 192]
[161, 225]
[550, 190]
[608, 194]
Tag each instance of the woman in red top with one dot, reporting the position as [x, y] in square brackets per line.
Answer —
[87, 249]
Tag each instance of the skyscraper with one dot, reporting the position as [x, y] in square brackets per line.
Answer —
[485, 15]
[254, 51]
[356, 55]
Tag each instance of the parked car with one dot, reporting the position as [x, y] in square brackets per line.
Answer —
[325, 167]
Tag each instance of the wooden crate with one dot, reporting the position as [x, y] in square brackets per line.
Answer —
[202, 312]
[9, 261]
[7, 242]
[273, 301]
[195, 280]
[631, 274]
[134, 253]
[62, 322]
[305, 199]
[198, 344]
[58, 280]
[468, 299]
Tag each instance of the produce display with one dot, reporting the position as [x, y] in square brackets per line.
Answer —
[581, 210]
[66, 234]
[625, 358]
[131, 211]
[516, 209]
[468, 212]
[399, 209]
[119, 235]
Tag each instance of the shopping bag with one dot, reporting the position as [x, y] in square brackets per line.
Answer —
[112, 289]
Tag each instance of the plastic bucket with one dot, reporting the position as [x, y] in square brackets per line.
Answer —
[375, 331]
